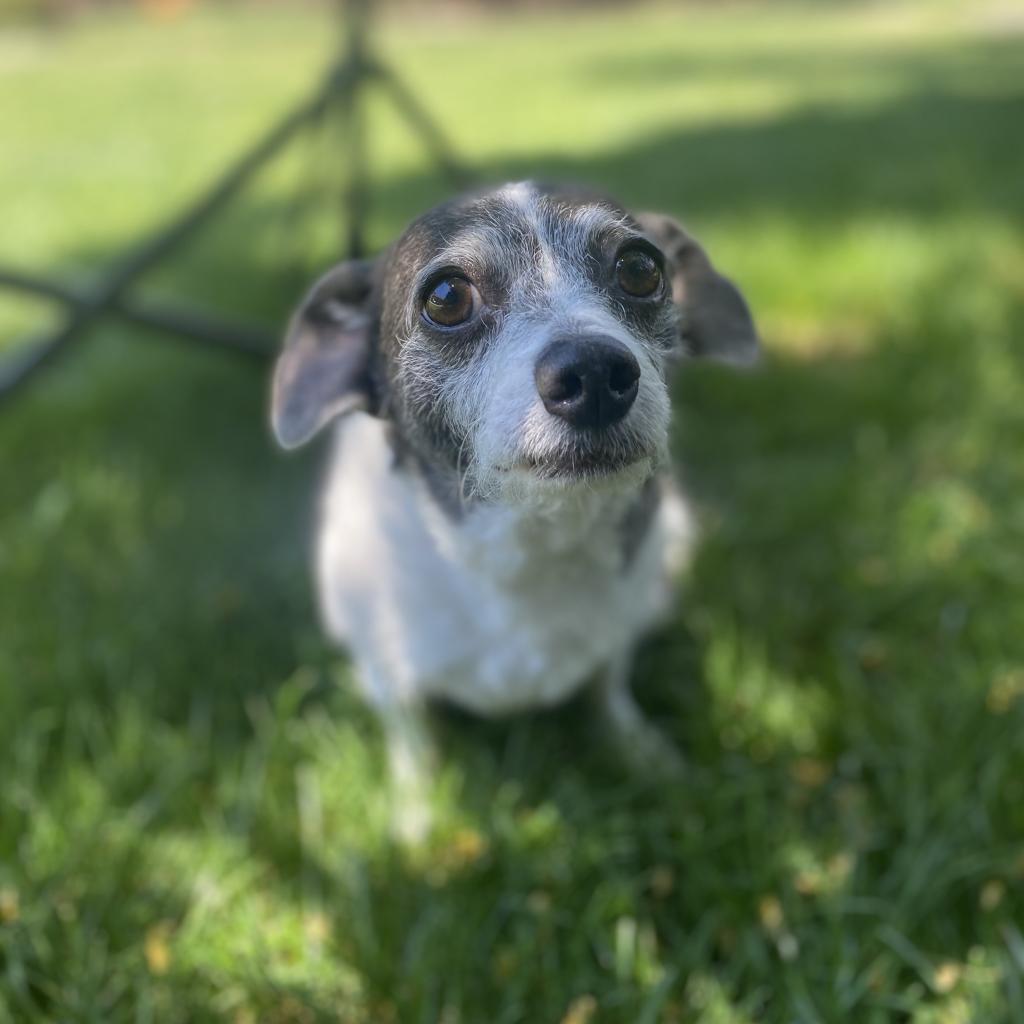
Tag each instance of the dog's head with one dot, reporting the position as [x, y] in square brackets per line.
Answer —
[519, 337]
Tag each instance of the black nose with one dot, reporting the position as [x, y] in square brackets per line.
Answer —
[587, 380]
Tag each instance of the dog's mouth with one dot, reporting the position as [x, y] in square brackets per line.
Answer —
[581, 466]
[582, 462]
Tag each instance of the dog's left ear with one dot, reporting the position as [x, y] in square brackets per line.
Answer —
[716, 321]
[323, 371]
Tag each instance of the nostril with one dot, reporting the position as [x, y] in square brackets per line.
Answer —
[566, 387]
[622, 378]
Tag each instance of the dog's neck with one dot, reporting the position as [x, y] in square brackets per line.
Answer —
[599, 521]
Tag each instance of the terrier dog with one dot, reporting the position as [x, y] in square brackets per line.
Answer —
[498, 524]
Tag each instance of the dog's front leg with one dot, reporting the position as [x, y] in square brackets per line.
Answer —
[642, 746]
[411, 762]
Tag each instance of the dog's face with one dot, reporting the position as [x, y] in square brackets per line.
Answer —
[520, 338]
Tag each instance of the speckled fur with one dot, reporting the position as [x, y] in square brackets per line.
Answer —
[462, 552]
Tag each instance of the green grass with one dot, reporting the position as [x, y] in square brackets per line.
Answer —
[192, 801]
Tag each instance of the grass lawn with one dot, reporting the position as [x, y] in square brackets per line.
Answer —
[192, 801]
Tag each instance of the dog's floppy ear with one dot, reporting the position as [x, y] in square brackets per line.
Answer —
[716, 320]
[323, 370]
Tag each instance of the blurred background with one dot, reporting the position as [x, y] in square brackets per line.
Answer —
[193, 820]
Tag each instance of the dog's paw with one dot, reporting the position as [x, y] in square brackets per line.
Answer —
[411, 761]
[642, 746]
[411, 819]
[648, 752]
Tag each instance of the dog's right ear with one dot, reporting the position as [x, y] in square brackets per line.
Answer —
[323, 371]
[716, 321]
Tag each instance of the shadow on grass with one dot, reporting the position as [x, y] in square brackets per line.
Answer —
[197, 423]
[992, 59]
[928, 156]
[849, 792]
[855, 597]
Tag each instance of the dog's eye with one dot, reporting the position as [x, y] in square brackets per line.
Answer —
[638, 273]
[450, 302]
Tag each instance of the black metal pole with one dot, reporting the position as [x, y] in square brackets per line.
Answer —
[342, 86]
[186, 323]
[420, 121]
[355, 191]
[152, 249]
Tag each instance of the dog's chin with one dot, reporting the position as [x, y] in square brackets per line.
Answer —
[543, 477]
[582, 467]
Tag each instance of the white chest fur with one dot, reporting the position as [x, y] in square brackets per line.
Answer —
[500, 609]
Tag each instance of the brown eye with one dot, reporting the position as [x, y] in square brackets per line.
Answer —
[638, 273]
[450, 302]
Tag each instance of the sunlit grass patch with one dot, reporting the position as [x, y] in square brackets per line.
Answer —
[194, 816]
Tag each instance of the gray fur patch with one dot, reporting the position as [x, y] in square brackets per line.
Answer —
[637, 522]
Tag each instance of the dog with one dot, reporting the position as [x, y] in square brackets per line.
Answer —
[499, 526]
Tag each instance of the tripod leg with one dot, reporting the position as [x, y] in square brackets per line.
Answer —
[155, 247]
[419, 120]
[196, 325]
[355, 187]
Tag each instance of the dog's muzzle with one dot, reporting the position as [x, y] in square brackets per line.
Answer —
[589, 381]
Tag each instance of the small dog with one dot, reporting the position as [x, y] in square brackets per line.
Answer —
[498, 526]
